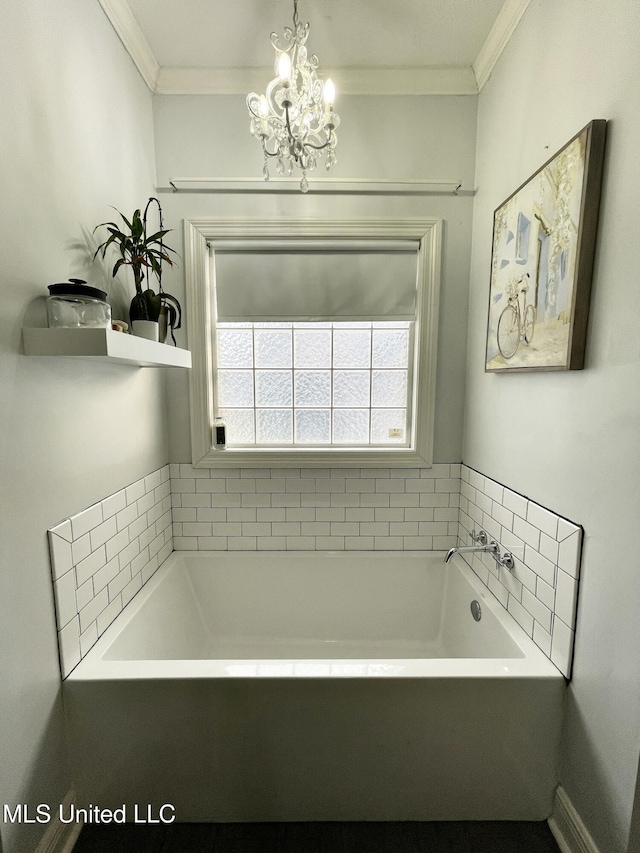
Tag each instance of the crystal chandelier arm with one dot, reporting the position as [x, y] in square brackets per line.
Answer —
[253, 105]
[262, 129]
[288, 123]
[288, 38]
[319, 147]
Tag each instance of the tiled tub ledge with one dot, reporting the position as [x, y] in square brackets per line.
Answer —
[102, 556]
[542, 590]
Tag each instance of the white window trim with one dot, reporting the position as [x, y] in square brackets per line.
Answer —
[198, 232]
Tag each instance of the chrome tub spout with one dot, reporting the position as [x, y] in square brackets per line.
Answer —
[491, 548]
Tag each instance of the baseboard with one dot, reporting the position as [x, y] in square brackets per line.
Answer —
[567, 827]
[60, 837]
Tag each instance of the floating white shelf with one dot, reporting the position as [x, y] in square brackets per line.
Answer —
[103, 345]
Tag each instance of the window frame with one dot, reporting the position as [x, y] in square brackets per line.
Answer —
[427, 232]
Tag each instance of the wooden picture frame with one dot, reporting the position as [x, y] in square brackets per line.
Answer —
[544, 238]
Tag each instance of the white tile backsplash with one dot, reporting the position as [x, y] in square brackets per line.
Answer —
[527, 532]
[521, 615]
[65, 597]
[541, 592]
[566, 595]
[542, 638]
[102, 556]
[562, 645]
[569, 554]
[315, 508]
[549, 548]
[541, 518]
[113, 504]
[69, 645]
[544, 568]
[61, 559]
[515, 502]
[537, 609]
[546, 593]
[565, 528]
[86, 520]
[80, 548]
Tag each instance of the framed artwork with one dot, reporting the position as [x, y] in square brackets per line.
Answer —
[544, 238]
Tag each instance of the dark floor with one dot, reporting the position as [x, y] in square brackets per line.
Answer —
[459, 837]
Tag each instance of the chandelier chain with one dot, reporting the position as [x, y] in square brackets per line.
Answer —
[296, 20]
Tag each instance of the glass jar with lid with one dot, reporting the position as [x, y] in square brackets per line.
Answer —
[74, 304]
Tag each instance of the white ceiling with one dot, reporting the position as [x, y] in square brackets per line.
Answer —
[344, 33]
[400, 46]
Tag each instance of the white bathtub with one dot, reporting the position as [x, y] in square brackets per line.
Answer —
[335, 686]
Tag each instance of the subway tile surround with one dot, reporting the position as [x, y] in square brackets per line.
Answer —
[393, 509]
[102, 556]
[314, 509]
[541, 592]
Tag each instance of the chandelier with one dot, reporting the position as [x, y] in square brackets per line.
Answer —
[294, 121]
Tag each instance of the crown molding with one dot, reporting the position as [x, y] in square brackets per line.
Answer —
[132, 37]
[211, 81]
[350, 81]
[445, 80]
[449, 80]
[501, 31]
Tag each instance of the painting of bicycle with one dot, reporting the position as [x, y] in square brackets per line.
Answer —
[544, 240]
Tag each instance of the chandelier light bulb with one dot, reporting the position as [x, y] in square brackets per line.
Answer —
[284, 68]
[329, 92]
[294, 120]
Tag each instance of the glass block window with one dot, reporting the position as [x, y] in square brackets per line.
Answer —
[343, 384]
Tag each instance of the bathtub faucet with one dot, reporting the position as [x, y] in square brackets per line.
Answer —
[491, 548]
[484, 546]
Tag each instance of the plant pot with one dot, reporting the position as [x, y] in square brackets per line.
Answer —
[145, 305]
[146, 329]
[170, 317]
[163, 324]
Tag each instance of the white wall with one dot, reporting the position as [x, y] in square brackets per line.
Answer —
[77, 136]
[428, 138]
[572, 441]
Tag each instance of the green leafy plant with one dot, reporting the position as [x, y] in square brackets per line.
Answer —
[142, 252]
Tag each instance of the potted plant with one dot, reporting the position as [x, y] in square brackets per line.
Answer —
[142, 252]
